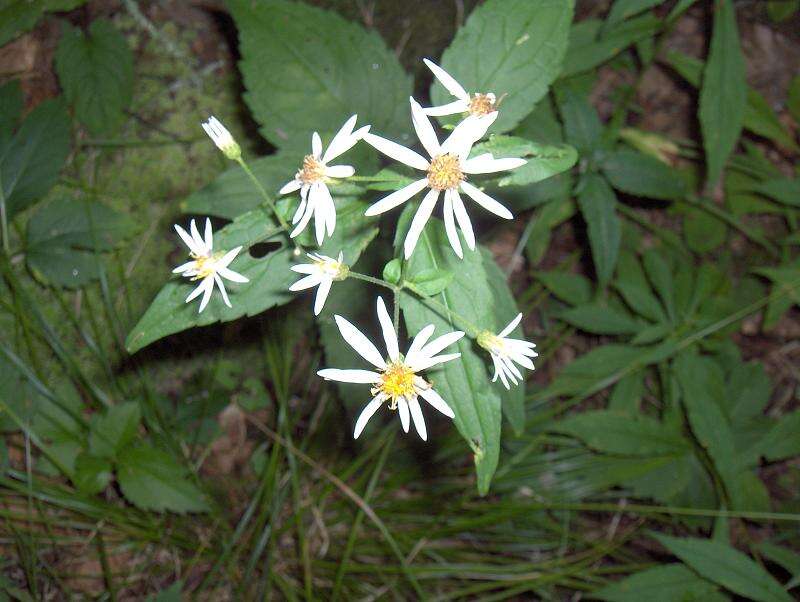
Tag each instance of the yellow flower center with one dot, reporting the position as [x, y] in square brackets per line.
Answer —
[205, 265]
[312, 171]
[481, 104]
[445, 172]
[396, 381]
[491, 342]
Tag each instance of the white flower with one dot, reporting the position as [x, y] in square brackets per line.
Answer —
[322, 271]
[476, 105]
[396, 380]
[207, 266]
[505, 352]
[222, 138]
[311, 180]
[446, 172]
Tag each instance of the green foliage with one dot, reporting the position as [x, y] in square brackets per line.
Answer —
[661, 584]
[19, 16]
[641, 175]
[598, 207]
[543, 161]
[95, 69]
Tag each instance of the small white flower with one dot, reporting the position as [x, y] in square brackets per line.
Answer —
[222, 138]
[446, 172]
[311, 180]
[207, 266]
[322, 271]
[397, 380]
[505, 352]
[477, 104]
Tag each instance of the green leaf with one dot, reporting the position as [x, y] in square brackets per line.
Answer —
[600, 319]
[464, 383]
[666, 583]
[19, 16]
[92, 474]
[546, 218]
[582, 126]
[660, 276]
[270, 276]
[115, 430]
[783, 440]
[431, 281]
[598, 207]
[64, 237]
[171, 594]
[703, 232]
[393, 271]
[726, 566]
[627, 393]
[307, 69]
[573, 289]
[785, 190]
[31, 160]
[793, 101]
[513, 48]
[543, 161]
[724, 91]
[592, 369]
[624, 9]
[623, 433]
[788, 559]
[780, 10]
[642, 175]
[96, 72]
[634, 287]
[11, 104]
[762, 120]
[152, 480]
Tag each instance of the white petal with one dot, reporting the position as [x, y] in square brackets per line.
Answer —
[486, 163]
[290, 186]
[396, 198]
[433, 398]
[189, 241]
[316, 145]
[402, 407]
[339, 143]
[423, 362]
[229, 274]
[511, 326]
[305, 268]
[209, 235]
[447, 80]
[320, 211]
[463, 220]
[365, 415]
[451, 108]
[419, 341]
[360, 377]
[442, 342]
[362, 345]
[450, 225]
[522, 361]
[199, 289]
[485, 201]
[340, 171]
[189, 265]
[198, 240]
[512, 368]
[226, 259]
[461, 139]
[222, 290]
[389, 335]
[301, 208]
[419, 421]
[424, 130]
[209, 288]
[306, 283]
[330, 212]
[309, 211]
[420, 219]
[397, 151]
[322, 295]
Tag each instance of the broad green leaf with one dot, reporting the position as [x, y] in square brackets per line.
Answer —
[270, 276]
[786, 191]
[627, 393]
[726, 566]
[64, 237]
[573, 289]
[666, 583]
[541, 124]
[642, 175]
[92, 474]
[10, 108]
[307, 69]
[546, 218]
[19, 16]
[95, 69]
[783, 440]
[431, 281]
[600, 319]
[592, 369]
[598, 207]
[723, 94]
[152, 480]
[543, 161]
[115, 430]
[634, 287]
[582, 126]
[465, 384]
[513, 48]
[623, 433]
[31, 160]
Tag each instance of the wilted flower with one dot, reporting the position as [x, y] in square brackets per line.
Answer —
[322, 271]
[312, 177]
[397, 380]
[207, 266]
[222, 138]
[477, 104]
[505, 352]
[446, 172]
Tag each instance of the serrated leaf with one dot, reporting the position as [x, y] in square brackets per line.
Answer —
[64, 237]
[573, 289]
[600, 319]
[92, 474]
[95, 69]
[114, 430]
[598, 207]
[513, 48]
[543, 161]
[661, 584]
[31, 160]
[307, 69]
[152, 480]
[726, 566]
[723, 94]
[465, 384]
[642, 175]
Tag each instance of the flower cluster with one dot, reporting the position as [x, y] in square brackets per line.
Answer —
[446, 172]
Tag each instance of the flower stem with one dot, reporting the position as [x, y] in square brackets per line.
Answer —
[268, 199]
[372, 280]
